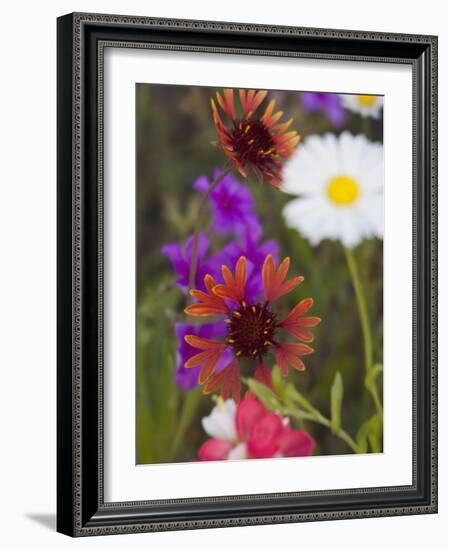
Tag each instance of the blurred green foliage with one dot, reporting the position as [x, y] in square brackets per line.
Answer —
[175, 144]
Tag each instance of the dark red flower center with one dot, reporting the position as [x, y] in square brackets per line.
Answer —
[251, 330]
[252, 141]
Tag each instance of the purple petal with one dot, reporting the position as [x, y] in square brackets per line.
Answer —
[270, 247]
[330, 104]
[201, 184]
[252, 231]
[216, 172]
[231, 252]
[336, 114]
[224, 360]
[181, 261]
[311, 101]
[187, 379]
[173, 251]
[203, 245]
[232, 205]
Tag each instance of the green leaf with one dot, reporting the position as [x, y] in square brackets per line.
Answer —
[336, 399]
[372, 375]
[263, 393]
[293, 395]
[362, 443]
[369, 432]
[278, 383]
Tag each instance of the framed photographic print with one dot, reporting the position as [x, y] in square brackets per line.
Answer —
[247, 293]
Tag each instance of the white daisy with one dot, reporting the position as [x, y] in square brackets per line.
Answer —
[365, 105]
[340, 184]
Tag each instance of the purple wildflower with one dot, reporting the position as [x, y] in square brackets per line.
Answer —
[181, 258]
[330, 104]
[187, 379]
[233, 206]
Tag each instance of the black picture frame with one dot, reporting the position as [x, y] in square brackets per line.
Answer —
[81, 509]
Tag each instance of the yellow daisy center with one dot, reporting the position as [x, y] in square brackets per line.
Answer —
[343, 190]
[366, 100]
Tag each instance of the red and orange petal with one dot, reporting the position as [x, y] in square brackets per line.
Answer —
[273, 142]
[234, 286]
[273, 279]
[227, 102]
[250, 100]
[227, 381]
[221, 129]
[286, 142]
[208, 358]
[289, 354]
[295, 322]
[269, 118]
[209, 303]
[262, 375]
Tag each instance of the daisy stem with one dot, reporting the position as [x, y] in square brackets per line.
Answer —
[196, 234]
[363, 310]
[365, 324]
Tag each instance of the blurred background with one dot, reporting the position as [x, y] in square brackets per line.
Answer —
[175, 139]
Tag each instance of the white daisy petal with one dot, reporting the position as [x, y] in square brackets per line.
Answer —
[307, 216]
[339, 182]
[221, 421]
[350, 229]
[372, 208]
[304, 181]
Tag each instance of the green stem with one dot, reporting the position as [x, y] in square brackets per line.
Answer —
[365, 324]
[320, 419]
[190, 402]
[197, 228]
[363, 310]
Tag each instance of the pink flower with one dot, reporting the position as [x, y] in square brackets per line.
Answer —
[249, 430]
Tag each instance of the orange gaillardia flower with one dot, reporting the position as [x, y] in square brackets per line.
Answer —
[257, 143]
[252, 328]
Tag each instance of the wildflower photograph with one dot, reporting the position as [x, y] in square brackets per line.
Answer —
[259, 274]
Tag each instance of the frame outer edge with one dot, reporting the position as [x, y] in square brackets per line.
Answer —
[65, 403]
[69, 520]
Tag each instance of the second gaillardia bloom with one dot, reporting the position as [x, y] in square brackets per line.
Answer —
[253, 329]
[257, 143]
